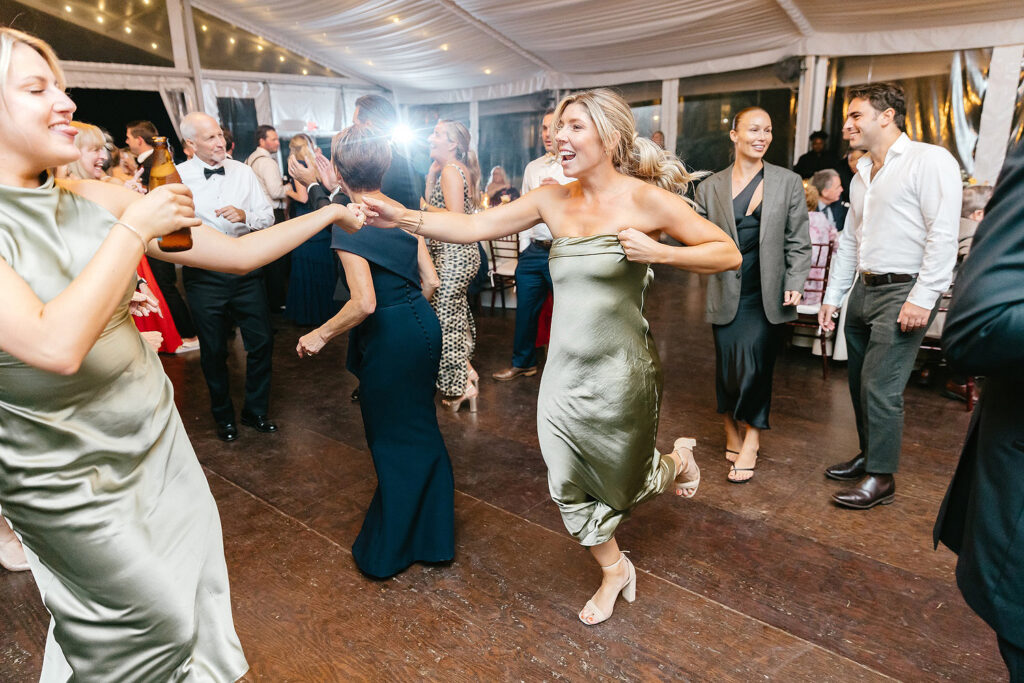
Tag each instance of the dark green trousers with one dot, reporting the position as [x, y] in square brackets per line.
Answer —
[881, 358]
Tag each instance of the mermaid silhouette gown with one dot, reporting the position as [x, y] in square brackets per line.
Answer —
[98, 477]
[395, 352]
[597, 412]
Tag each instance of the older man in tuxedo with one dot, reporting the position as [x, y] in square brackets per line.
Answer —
[982, 517]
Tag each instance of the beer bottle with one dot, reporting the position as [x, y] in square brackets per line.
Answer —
[163, 172]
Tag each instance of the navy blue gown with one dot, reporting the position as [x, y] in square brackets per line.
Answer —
[396, 353]
[310, 301]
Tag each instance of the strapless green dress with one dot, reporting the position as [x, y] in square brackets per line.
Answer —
[597, 412]
[99, 479]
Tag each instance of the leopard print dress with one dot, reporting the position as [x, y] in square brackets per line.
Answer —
[457, 265]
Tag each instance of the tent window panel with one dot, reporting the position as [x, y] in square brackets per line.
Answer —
[238, 114]
[705, 120]
[943, 102]
[510, 141]
[123, 32]
[226, 47]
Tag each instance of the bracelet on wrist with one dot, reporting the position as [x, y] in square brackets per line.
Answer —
[145, 245]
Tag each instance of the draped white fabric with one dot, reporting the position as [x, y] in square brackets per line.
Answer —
[457, 50]
[301, 109]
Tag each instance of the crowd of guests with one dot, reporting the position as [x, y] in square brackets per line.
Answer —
[397, 253]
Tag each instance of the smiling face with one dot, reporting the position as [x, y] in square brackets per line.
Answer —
[579, 144]
[752, 134]
[35, 118]
[92, 161]
[209, 141]
[864, 124]
[442, 148]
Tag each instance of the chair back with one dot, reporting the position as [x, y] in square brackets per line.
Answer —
[504, 253]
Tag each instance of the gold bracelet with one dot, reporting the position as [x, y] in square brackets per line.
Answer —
[145, 245]
[419, 225]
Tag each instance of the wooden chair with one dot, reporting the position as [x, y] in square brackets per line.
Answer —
[932, 341]
[807, 314]
[504, 259]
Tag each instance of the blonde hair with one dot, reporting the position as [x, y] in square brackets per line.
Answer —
[9, 37]
[301, 146]
[459, 134]
[632, 155]
[88, 136]
[811, 196]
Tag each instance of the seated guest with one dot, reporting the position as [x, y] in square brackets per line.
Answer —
[816, 158]
[822, 235]
[830, 192]
[975, 199]
[498, 181]
[658, 138]
[504, 196]
[394, 348]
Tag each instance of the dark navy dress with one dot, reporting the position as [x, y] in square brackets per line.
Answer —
[746, 348]
[395, 353]
[310, 301]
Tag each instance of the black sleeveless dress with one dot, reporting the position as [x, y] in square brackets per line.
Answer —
[395, 353]
[746, 348]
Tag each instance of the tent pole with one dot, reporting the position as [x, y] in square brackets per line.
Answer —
[997, 112]
[183, 28]
[670, 112]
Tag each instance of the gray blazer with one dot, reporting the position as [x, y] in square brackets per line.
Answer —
[785, 248]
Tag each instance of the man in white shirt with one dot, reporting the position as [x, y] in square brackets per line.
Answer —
[263, 162]
[228, 197]
[533, 279]
[897, 253]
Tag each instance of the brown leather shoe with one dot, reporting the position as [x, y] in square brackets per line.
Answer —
[513, 372]
[872, 490]
[851, 470]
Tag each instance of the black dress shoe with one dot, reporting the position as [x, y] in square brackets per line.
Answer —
[851, 470]
[227, 431]
[259, 422]
[872, 490]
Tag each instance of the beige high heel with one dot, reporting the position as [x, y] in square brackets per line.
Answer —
[628, 592]
[12, 553]
[471, 395]
[686, 488]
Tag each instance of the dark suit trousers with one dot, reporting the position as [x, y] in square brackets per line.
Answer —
[533, 284]
[1014, 658]
[217, 299]
[275, 273]
[167, 280]
[881, 358]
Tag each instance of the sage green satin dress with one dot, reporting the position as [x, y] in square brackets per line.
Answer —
[99, 479]
[597, 412]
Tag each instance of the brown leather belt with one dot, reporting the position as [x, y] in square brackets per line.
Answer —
[875, 279]
[543, 244]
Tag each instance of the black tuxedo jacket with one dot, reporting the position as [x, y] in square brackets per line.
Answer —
[982, 516]
[839, 211]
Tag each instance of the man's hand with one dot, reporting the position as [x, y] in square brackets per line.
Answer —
[302, 174]
[827, 317]
[326, 172]
[231, 213]
[912, 317]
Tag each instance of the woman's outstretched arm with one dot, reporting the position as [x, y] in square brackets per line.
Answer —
[458, 228]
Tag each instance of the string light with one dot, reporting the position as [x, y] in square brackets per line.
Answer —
[99, 19]
[305, 72]
[67, 8]
[281, 58]
[203, 27]
[260, 48]
[231, 40]
[127, 29]
[395, 20]
[444, 47]
[487, 71]
[153, 45]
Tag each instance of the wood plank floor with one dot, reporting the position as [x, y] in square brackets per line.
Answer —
[766, 581]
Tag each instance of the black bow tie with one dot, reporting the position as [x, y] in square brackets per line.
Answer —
[213, 171]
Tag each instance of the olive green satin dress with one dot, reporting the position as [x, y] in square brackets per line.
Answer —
[99, 479]
[597, 412]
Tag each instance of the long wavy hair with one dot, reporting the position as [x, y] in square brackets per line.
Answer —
[632, 155]
[459, 134]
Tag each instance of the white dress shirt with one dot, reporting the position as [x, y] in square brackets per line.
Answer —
[238, 187]
[904, 220]
[537, 170]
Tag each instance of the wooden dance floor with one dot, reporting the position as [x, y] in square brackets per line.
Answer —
[765, 581]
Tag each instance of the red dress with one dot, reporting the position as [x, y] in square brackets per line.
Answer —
[153, 322]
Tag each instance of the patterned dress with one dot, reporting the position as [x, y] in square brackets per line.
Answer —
[456, 265]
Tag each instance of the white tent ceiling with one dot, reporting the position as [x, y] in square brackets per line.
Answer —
[456, 50]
